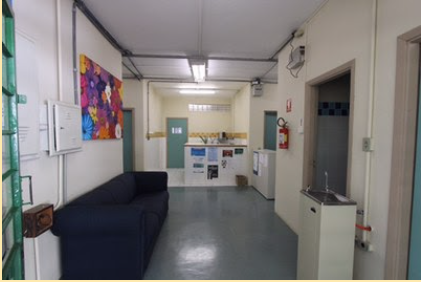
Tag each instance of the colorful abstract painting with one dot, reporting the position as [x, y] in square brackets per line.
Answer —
[101, 101]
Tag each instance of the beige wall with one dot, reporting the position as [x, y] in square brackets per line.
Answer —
[155, 147]
[241, 110]
[197, 121]
[156, 112]
[340, 32]
[258, 105]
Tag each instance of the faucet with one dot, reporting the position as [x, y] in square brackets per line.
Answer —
[326, 181]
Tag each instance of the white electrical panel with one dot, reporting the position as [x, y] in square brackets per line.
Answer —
[64, 128]
[297, 58]
[257, 90]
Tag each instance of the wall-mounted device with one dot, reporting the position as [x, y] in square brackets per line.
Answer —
[297, 57]
[37, 220]
[64, 128]
[256, 88]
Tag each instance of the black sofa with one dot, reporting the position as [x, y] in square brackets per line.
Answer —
[110, 232]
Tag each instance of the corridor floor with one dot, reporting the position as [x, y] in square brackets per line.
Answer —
[223, 233]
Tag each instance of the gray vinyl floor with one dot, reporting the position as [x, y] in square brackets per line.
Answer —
[223, 233]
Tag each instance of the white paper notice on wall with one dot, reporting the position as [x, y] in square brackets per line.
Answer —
[27, 84]
[263, 160]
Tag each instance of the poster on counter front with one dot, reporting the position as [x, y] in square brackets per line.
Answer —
[212, 171]
[212, 154]
[227, 153]
[227, 164]
[198, 152]
[239, 151]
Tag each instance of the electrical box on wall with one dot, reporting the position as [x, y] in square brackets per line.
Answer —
[297, 57]
[64, 128]
[256, 89]
[37, 220]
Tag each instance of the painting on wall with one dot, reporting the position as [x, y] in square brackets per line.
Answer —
[101, 102]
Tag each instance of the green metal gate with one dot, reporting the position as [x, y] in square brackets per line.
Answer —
[12, 254]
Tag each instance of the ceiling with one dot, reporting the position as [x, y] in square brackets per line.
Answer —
[238, 39]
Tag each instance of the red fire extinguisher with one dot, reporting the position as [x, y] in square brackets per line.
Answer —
[283, 133]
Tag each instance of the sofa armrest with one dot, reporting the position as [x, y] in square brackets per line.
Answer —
[151, 181]
[94, 220]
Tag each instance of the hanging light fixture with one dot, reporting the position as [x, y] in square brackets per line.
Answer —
[197, 91]
[199, 70]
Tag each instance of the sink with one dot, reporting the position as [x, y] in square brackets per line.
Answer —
[328, 197]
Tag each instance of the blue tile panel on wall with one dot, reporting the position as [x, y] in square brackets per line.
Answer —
[333, 109]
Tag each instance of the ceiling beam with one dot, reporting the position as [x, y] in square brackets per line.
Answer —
[272, 60]
[128, 54]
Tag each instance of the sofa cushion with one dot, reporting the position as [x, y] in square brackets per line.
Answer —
[156, 203]
[94, 197]
[122, 188]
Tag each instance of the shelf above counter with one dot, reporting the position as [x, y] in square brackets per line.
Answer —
[214, 145]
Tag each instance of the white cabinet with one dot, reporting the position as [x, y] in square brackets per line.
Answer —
[264, 169]
[326, 240]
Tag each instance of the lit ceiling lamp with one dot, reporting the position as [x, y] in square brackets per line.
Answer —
[197, 91]
[199, 70]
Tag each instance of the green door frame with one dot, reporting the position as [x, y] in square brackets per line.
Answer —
[414, 270]
[269, 137]
[181, 152]
[12, 237]
[128, 147]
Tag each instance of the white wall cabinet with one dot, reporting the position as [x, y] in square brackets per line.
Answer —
[326, 240]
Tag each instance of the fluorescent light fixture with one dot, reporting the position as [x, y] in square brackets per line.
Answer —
[199, 72]
[197, 91]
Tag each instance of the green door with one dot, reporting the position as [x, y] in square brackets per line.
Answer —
[414, 270]
[176, 138]
[12, 239]
[128, 141]
[270, 131]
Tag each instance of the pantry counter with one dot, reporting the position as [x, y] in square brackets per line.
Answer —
[214, 164]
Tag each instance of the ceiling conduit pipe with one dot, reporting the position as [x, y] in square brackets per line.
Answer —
[368, 158]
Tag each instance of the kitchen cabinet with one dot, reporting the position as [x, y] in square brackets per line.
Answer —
[326, 237]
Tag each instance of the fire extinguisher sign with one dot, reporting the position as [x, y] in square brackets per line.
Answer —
[289, 105]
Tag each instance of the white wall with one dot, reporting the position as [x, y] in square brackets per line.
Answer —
[95, 153]
[340, 32]
[86, 169]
